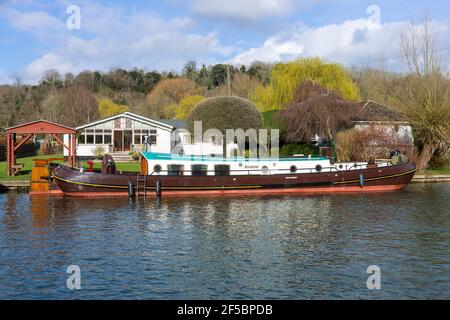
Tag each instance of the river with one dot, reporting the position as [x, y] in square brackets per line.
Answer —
[271, 247]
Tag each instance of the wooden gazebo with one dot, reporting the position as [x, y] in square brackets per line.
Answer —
[29, 130]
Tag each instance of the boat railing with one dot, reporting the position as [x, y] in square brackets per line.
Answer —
[252, 171]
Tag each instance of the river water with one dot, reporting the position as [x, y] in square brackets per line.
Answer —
[292, 247]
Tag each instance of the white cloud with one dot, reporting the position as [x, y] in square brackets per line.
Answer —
[353, 41]
[241, 11]
[37, 22]
[142, 39]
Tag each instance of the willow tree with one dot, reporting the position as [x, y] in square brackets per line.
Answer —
[286, 77]
[316, 110]
[425, 93]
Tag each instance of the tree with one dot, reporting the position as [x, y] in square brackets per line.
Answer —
[286, 77]
[78, 106]
[261, 71]
[218, 74]
[425, 93]
[316, 110]
[186, 105]
[52, 78]
[190, 70]
[107, 108]
[242, 85]
[226, 112]
[169, 92]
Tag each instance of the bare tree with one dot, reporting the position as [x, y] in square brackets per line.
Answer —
[425, 92]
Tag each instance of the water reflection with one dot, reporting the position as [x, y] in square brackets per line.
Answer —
[227, 247]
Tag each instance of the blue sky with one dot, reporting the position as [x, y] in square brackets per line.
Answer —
[164, 34]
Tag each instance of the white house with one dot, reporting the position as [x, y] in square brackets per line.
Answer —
[125, 132]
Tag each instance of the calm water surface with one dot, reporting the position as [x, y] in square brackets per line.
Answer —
[298, 247]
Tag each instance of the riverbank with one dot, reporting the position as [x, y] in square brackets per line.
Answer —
[418, 178]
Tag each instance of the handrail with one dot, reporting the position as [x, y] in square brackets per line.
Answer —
[299, 170]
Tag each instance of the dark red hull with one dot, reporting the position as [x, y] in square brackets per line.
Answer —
[75, 183]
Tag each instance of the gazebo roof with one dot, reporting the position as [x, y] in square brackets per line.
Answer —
[41, 126]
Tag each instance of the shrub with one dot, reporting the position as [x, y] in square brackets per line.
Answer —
[226, 112]
[288, 150]
[363, 144]
[99, 152]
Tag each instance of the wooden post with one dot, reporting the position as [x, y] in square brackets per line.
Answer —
[74, 149]
[8, 154]
[13, 155]
[73, 137]
[69, 157]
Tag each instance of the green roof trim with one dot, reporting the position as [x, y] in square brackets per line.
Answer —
[167, 156]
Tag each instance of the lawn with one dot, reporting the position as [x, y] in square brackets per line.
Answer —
[28, 164]
[440, 171]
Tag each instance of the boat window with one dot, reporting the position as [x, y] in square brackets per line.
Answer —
[199, 170]
[175, 170]
[222, 170]
[293, 169]
[157, 168]
[318, 168]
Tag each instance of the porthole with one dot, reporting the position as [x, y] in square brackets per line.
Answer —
[293, 169]
[318, 168]
[265, 170]
[157, 168]
[341, 166]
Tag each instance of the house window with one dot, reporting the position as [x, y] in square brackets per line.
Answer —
[107, 138]
[117, 123]
[137, 138]
[153, 135]
[90, 136]
[98, 137]
[82, 138]
[187, 139]
[128, 123]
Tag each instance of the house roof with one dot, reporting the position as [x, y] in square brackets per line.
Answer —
[177, 124]
[41, 126]
[373, 111]
[132, 116]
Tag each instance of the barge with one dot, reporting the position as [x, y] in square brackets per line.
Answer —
[169, 174]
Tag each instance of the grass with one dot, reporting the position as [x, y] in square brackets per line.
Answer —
[28, 164]
[440, 171]
[133, 166]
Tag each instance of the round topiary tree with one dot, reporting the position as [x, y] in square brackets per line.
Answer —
[225, 112]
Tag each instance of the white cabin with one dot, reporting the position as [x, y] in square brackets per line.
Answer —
[176, 165]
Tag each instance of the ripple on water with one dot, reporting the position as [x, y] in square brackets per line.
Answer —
[233, 247]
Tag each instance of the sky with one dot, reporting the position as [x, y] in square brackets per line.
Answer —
[72, 36]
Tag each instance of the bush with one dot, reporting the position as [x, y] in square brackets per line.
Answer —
[369, 143]
[99, 152]
[291, 149]
[226, 112]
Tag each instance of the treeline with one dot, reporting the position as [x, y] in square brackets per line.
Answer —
[75, 99]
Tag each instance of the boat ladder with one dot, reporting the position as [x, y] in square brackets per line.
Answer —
[141, 183]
